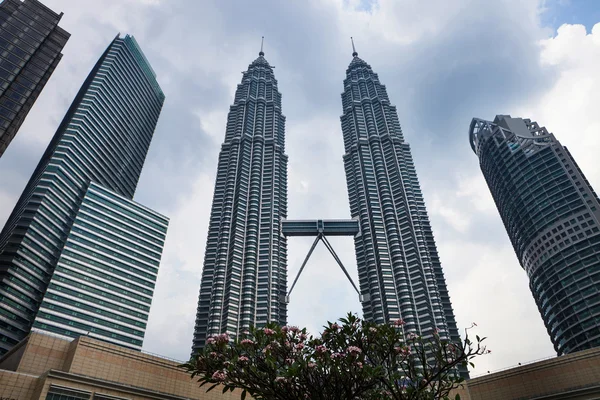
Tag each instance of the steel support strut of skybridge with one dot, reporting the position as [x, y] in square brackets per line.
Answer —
[320, 229]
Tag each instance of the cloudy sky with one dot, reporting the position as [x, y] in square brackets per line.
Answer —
[443, 63]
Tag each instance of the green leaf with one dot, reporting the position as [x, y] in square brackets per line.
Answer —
[244, 395]
[457, 397]
[226, 388]
[212, 387]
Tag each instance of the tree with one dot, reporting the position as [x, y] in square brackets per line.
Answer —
[352, 359]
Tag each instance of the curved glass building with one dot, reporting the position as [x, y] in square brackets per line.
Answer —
[399, 269]
[244, 277]
[551, 214]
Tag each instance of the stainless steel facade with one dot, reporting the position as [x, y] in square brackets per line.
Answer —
[103, 138]
[244, 276]
[551, 214]
[399, 270]
[30, 48]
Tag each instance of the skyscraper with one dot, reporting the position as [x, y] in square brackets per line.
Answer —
[87, 175]
[551, 214]
[244, 277]
[30, 48]
[103, 282]
[399, 269]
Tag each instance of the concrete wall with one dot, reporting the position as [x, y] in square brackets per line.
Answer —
[94, 366]
[16, 386]
[42, 353]
[573, 376]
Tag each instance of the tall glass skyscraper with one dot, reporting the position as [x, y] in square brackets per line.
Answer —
[552, 216]
[79, 195]
[244, 277]
[30, 48]
[399, 269]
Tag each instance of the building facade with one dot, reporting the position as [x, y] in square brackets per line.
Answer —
[551, 215]
[47, 367]
[399, 270]
[103, 138]
[104, 279]
[30, 48]
[244, 277]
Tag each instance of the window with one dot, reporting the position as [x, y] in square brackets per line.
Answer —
[65, 393]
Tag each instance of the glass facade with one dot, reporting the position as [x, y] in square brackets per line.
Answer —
[399, 270]
[30, 48]
[103, 283]
[103, 138]
[244, 277]
[551, 214]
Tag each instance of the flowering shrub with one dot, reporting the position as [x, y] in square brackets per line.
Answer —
[354, 359]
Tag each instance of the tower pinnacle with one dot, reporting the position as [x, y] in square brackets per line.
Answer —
[262, 41]
[354, 53]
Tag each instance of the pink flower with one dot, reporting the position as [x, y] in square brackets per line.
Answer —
[358, 364]
[247, 342]
[294, 329]
[335, 326]
[311, 365]
[411, 336]
[336, 356]
[289, 361]
[299, 346]
[405, 351]
[222, 338]
[353, 350]
[285, 329]
[373, 330]
[280, 379]
[219, 376]
[320, 349]
[213, 354]
[269, 332]
[303, 336]
[210, 340]
[243, 359]
[399, 322]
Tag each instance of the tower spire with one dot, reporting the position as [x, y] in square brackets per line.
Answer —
[354, 53]
[262, 41]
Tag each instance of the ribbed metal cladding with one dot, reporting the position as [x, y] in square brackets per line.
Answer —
[244, 277]
[103, 138]
[398, 265]
[30, 48]
[104, 280]
[551, 214]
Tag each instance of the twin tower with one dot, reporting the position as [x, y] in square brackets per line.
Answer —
[244, 280]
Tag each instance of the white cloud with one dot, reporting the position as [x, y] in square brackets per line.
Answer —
[173, 311]
[570, 107]
[443, 63]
